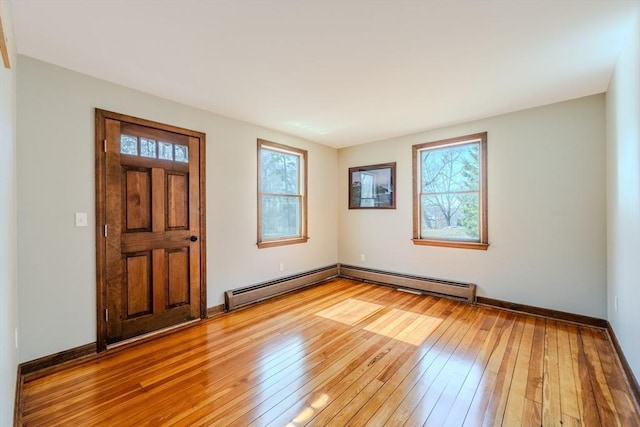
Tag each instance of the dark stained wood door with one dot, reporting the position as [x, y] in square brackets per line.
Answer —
[151, 272]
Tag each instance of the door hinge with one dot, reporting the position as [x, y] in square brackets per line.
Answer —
[105, 230]
[104, 144]
[106, 315]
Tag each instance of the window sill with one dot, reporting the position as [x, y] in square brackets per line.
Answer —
[449, 244]
[274, 243]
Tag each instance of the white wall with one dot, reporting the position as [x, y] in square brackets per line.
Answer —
[56, 179]
[8, 225]
[623, 199]
[546, 201]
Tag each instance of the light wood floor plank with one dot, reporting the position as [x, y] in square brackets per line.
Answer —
[397, 321]
[603, 396]
[532, 415]
[568, 387]
[385, 400]
[470, 388]
[551, 403]
[513, 414]
[590, 414]
[285, 393]
[413, 395]
[346, 353]
[615, 378]
[228, 351]
[340, 410]
[459, 368]
[489, 380]
[536, 364]
[494, 414]
[232, 400]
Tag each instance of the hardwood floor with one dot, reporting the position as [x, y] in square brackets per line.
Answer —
[347, 353]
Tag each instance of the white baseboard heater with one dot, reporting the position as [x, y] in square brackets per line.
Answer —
[241, 297]
[437, 287]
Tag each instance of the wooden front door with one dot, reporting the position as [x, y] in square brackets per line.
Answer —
[150, 234]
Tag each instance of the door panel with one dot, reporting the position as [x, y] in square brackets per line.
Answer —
[149, 273]
[137, 200]
[178, 203]
[138, 285]
[178, 284]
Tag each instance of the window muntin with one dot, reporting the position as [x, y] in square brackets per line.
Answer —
[450, 197]
[282, 202]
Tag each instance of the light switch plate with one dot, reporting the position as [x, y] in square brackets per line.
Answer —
[81, 219]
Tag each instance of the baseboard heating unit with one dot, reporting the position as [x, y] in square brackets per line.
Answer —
[241, 297]
[437, 287]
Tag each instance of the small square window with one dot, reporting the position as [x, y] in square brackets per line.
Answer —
[165, 151]
[182, 153]
[147, 147]
[129, 145]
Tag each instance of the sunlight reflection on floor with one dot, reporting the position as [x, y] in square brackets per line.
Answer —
[308, 412]
[412, 328]
[406, 326]
[350, 311]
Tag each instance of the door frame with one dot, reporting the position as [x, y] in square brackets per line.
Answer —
[100, 195]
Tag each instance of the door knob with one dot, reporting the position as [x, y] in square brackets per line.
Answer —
[193, 238]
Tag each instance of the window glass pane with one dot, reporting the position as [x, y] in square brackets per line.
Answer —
[147, 147]
[450, 169]
[366, 194]
[129, 145]
[450, 216]
[280, 216]
[182, 154]
[367, 185]
[279, 172]
[165, 151]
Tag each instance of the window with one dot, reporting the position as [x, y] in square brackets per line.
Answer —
[450, 192]
[134, 146]
[282, 195]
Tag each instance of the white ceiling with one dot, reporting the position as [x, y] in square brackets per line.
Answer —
[337, 72]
